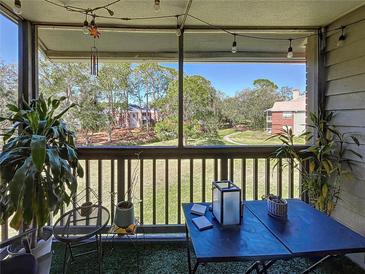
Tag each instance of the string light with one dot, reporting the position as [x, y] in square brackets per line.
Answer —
[17, 7]
[290, 50]
[156, 6]
[234, 44]
[92, 23]
[342, 38]
[85, 26]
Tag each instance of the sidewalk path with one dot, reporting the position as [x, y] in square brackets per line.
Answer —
[228, 139]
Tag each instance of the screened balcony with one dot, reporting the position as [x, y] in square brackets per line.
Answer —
[181, 171]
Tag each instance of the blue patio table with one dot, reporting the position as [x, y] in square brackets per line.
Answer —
[264, 239]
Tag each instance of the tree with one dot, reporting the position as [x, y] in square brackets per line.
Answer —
[200, 109]
[264, 84]
[71, 80]
[8, 86]
[248, 106]
[91, 118]
[150, 83]
[113, 82]
[286, 93]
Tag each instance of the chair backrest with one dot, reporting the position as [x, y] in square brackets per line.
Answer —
[22, 237]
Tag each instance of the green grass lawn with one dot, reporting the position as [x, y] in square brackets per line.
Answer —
[248, 137]
[251, 137]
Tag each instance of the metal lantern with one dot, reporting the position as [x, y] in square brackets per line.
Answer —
[226, 202]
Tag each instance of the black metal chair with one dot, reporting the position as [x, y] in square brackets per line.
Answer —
[22, 263]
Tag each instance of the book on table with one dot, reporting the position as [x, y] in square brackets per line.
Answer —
[198, 209]
[202, 223]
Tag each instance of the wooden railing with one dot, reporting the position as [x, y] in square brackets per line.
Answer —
[165, 177]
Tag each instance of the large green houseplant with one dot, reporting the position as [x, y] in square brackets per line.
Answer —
[328, 159]
[38, 164]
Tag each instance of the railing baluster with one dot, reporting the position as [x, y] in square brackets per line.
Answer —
[4, 231]
[141, 189]
[231, 169]
[191, 180]
[112, 190]
[279, 175]
[166, 191]
[87, 185]
[291, 178]
[243, 178]
[154, 191]
[224, 169]
[100, 181]
[179, 191]
[215, 169]
[255, 179]
[203, 179]
[129, 178]
[121, 179]
[267, 176]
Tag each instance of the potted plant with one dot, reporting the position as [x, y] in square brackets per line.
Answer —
[38, 166]
[124, 210]
[276, 206]
[326, 158]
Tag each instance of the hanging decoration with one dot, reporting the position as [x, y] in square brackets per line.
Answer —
[94, 60]
[94, 56]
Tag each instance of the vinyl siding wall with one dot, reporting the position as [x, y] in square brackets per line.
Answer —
[345, 95]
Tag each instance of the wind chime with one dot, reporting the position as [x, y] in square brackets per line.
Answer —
[94, 56]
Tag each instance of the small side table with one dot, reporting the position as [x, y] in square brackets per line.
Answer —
[130, 232]
[77, 225]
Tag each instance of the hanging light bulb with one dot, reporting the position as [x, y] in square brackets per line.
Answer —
[290, 50]
[178, 30]
[156, 6]
[85, 26]
[17, 7]
[111, 13]
[342, 38]
[92, 23]
[234, 44]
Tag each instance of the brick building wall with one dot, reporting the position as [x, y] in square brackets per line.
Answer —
[278, 121]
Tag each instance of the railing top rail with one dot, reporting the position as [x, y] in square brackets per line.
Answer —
[188, 152]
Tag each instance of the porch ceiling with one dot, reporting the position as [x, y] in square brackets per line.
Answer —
[284, 19]
[300, 13]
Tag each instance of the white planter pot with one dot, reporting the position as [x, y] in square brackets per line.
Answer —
[124, 217]
[42, 252]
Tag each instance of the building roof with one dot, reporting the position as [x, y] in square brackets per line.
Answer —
[136, 108]
[297, 104]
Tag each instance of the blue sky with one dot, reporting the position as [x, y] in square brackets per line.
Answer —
[8, 40]
[226, 77]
